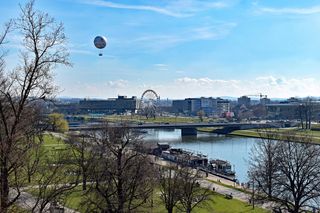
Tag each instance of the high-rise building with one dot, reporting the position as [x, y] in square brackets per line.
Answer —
[210, 106]
[244, 100]
[223, 106]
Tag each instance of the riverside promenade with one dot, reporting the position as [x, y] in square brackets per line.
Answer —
[209, 182]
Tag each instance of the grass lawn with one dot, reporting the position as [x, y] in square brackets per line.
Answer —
[315, 135]
[208, 129]
[217, 204]
[52, 151]
[53, 141]
[222, 205]
[229, 186]
[53, 146]
[17, 209]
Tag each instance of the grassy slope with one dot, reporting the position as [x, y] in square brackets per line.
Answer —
[218, 204]
[255, 133]
[315, 135]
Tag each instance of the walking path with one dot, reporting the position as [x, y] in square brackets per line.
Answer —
[27, 201]
[206, 183]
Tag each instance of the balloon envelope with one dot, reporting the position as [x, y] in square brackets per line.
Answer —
[100, 42]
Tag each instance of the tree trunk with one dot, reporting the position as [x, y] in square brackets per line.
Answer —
[120, 183]
[301, 118]
[296, 208]
[188, 210]
[309, 116]
[84, 181]
[306, 117]
[4, 196]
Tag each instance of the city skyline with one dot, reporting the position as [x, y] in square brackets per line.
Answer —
[185, 48]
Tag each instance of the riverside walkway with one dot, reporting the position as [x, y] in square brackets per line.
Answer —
[208, 183]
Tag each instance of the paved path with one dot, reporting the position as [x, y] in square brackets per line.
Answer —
[27, 201]
[208, 184]
[236, 194]
[225, 190]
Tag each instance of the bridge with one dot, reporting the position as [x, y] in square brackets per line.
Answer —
[186, 128]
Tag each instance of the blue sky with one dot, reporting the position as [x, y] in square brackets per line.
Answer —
[185, 48]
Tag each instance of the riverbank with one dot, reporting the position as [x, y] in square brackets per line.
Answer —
[275, 133]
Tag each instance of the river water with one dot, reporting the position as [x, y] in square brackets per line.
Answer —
[233, 149]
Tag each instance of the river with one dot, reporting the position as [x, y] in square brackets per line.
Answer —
[233, 149]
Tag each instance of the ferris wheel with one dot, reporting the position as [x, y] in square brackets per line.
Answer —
[149, 103]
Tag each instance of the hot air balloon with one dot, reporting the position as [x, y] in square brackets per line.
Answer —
[100, 42]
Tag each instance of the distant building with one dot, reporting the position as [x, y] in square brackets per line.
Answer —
[291, 109]
[210, 106]
[194, 105]
[244, 100]
[265, 101]
[118, 105]
[294, 100]
[287, 111]
[66, 108]
[121, 104]
[180, 106]
[223, 106]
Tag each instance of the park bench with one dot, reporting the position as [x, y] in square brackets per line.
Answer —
[228, 196]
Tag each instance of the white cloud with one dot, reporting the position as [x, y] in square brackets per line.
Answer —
[207, 32]
[288, 10]
[174, 8]
[117, 84]
[274, 87]
[212, 32]
[135, 7]
[161, 67]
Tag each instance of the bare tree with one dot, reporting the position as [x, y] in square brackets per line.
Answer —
[201, 114]
[33, 155]
[169, 187]
[295, 184]
[305, 112]
[299, 181]
[54, 178]
[123, 179]
[190, 192]
[264, 165]
[83, 155]
[301, 109]
[42, 49]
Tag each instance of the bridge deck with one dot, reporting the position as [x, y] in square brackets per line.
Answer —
[172, 125]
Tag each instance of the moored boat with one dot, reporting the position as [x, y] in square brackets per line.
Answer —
[221, 166]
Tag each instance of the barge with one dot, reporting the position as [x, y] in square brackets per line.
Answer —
[221, 168]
